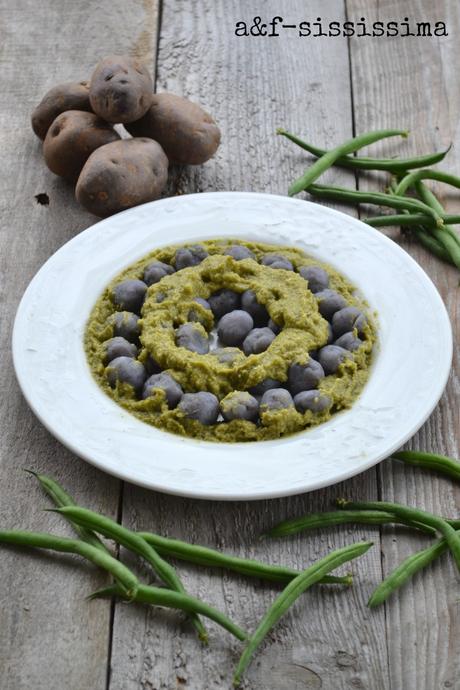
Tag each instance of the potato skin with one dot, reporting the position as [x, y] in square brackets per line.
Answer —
[72, 95]
[187, 133]
[72, 138]
[122, 174]
[120, 89]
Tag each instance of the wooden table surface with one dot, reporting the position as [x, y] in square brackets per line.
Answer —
[325, 89]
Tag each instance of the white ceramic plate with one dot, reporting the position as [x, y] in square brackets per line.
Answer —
[407, 379]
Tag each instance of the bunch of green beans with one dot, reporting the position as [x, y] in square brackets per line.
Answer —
[374, 513]
[88, 524]
[381, 513]
[181, 550]
[94, 522]
[423, 215]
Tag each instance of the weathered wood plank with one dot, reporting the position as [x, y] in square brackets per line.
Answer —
[252, 86]
[410, 82]
[49, 636]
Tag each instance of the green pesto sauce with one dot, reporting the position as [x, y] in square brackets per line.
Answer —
[289, 303]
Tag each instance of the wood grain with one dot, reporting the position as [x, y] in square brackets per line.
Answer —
[50, 637]
[409, 83]
[329, 640]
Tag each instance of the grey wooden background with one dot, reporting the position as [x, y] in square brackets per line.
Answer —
[50, 637]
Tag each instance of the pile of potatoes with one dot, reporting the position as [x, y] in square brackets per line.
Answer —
[76, 123]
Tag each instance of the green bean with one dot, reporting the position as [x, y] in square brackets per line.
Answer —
[428, 239]
[412, 178]
[405, 571]
[132, 541]
[127, 580]
[393, 165]
[444, 243]
[425, 237]
[440, 524]
[430, 199]
[412, 219]
[202, 555]
[289, 595]
[379, 198]
[449, 241]
[341, 517]
[431, 461]
[445, 235]
[433, 245]
[395, 219]
[175, 600]
[330, 157]
[61, 498]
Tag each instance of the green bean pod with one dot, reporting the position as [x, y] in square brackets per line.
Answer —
[403, 219]
[126, 579]
[331, 156]
[358, 197]
[426, 238]
[175, 600]
[419, 219]
[392, 165]
[430, 242]
[445, 245]
[446, 236]
[440, 524]
[405, 571]
[61, 498]
[202, 555]
[292, 592]
[132, 541]
[431, 461]
[341, 517]
[427, 196]
[412, 178]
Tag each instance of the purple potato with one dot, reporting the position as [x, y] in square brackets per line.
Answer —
[316, 277]
[129, 295]
[126, 325]
[190, 336]
[331, 357]
[276, 399]
[121, 89]
[118, 347]
[304, 377]
[257, 341]
[202, 406]
[163, 381]
[239, 405]
[126, 370]
[233, 327]
[329, 302]
[312, 400]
